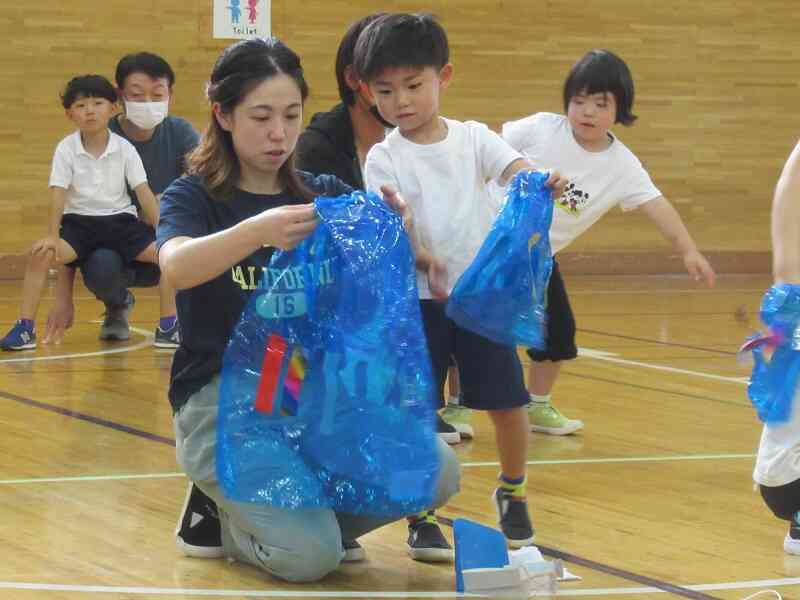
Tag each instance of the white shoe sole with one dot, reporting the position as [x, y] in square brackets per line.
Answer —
[352, 555]
[791, 546]
[23, 347]
[450, 438]
[464, 430]
[430, 554]
[573, 426]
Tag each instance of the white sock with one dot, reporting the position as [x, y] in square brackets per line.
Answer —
[540, 400]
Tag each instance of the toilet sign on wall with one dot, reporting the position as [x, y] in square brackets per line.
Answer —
[241, 19]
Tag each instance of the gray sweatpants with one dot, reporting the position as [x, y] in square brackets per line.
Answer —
[295, 545]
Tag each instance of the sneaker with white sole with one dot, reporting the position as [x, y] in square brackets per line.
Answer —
[546, 418]
[460, 418]
[426, 542]
[21, 337]
[171, 338]
[513, 518]
[353, 551]
[115, 325]
[791, 543]
[199, 533]
[447, 432]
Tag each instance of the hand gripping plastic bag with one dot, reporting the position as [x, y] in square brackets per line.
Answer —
[773, 382]
[502, 295]
[326, 397]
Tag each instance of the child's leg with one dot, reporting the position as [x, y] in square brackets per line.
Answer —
[546, 364]
[784, 502]
[36, 275]
[511, 436]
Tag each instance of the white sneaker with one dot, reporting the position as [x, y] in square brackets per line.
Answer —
[791, 545]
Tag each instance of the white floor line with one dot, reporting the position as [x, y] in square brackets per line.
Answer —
[627, 459]
[577, 461]
[148, 341]
[103, 589]
[90, 478]
[593, 355]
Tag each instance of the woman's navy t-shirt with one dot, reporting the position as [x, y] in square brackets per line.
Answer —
[209, 312]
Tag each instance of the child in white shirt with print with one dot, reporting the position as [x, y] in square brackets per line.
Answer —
[601, 173]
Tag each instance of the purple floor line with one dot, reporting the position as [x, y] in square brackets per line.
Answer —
[89, 419]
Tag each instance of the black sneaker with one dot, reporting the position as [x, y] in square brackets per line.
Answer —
[115, 324]
[447, 432]
[199, 533]
[791, 543]
[426, 542]
[512, 515]
[171, 338]
[353, 551]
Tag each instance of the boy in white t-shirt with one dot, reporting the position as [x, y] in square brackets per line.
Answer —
[601, 173]
[441, 167]
[91, 206]
[777, 469]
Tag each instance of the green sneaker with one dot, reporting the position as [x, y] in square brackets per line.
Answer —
[459, 417]
[546, 418]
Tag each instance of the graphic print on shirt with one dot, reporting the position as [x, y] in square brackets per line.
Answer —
[572, 200]
[290, 301]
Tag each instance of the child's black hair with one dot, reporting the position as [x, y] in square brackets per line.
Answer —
[600, 71]
[143, 62]
[400, 40]
[87, 86]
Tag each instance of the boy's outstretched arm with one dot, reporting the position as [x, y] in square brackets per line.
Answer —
[671, 226]
[786, 222]
[555, 181]
[148, 203]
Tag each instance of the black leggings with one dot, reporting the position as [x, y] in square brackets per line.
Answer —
[783, 500]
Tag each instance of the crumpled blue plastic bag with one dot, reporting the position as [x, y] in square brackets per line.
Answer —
[326, 397]
[503, 294]
[773, 382]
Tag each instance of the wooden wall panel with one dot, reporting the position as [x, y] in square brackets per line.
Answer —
[716, 88]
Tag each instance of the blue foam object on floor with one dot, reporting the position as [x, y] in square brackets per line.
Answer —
[477, 547]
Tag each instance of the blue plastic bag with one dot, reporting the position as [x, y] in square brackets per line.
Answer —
[773, 383]
[503, 294]
[326, 397]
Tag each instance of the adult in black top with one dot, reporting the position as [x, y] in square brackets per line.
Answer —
[218, 226]
[337, 142]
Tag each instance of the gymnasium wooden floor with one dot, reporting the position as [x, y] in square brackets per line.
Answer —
[653, 499]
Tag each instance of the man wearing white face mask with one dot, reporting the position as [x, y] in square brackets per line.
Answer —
[145, 84]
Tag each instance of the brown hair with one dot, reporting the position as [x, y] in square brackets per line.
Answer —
[238, 70]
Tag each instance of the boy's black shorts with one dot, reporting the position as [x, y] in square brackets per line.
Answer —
[560, 323]
[490, 374]
[122, 232]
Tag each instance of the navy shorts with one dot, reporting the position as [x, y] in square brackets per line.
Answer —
[560, 323]
[490, 374]
[123, 233]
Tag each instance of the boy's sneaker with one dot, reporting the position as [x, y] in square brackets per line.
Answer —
[171, 338]
[115, 324]
[512, 515]
[460, 418]
[546, 418]
[21, 337]
[426, 542]
[791, 543]
[447, 432]
[353, 551]
[199, 533]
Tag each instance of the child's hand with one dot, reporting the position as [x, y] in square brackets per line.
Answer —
[45, 245]
[60, 318]
[437, 279]
[396, 201]
[698, 267]
[285, 226]
[556, 183]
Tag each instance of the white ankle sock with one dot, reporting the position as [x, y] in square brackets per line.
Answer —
[540, 400]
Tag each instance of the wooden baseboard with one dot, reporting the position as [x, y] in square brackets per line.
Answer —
[579, 263]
